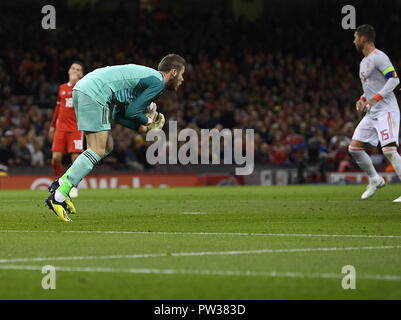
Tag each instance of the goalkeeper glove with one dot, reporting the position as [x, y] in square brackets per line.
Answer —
[158, 122]
[151, 111]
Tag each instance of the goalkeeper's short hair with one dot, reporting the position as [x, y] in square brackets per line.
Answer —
[171, 61]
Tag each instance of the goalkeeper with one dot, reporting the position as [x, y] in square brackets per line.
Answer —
[132, 89]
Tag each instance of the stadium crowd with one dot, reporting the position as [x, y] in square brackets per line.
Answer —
[296, 86]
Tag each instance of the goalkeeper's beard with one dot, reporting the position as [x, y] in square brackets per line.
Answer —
[172, 84]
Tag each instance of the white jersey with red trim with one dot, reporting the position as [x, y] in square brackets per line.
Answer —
[373, 72]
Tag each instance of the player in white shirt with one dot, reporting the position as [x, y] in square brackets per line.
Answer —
[382, 119]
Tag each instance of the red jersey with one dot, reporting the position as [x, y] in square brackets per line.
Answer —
[279, 154]
[64, 117]
[296, 141]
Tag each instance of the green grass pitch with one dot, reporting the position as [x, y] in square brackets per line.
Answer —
[204, 243]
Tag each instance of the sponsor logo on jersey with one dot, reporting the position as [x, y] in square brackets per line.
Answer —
[68, 103]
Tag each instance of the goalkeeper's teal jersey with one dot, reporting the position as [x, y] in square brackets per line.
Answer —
[123, 85]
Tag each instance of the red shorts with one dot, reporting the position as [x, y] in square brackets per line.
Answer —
[72, 141]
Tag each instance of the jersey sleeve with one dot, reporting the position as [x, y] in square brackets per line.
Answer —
[384, 65]
[152, 89]
[130, 124]
[56, 111]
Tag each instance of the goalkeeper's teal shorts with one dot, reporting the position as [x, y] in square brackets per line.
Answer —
[91, 115]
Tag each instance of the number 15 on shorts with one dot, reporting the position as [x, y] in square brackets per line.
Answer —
[388, 128]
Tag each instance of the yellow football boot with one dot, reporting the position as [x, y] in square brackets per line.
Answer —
[59, 208]
[70, 206]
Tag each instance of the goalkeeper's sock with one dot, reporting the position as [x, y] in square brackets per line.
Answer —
[61, 179]
[59, 196]
[79, 170]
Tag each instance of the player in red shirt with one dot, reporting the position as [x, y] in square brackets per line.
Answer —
[63, 129]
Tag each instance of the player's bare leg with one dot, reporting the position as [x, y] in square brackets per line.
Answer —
[109, 145]
[57, 164]
[357, 151]
[74, 156]
[97, 141]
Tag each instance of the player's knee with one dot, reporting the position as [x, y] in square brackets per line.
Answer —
[99, 152]
[354, 150]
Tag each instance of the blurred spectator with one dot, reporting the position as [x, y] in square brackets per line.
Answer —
[315, 156]
[139, 153]
[37, 156]
[279, 150]
[262, 154]
[22, 152]
[297, 144]
[342, 158]
[6, 154]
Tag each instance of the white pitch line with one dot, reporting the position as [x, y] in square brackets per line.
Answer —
[19, 200]
[208, 272]
[306, 235]
[194, 212]
[81, 200]
[72, 258]
[201, 253]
